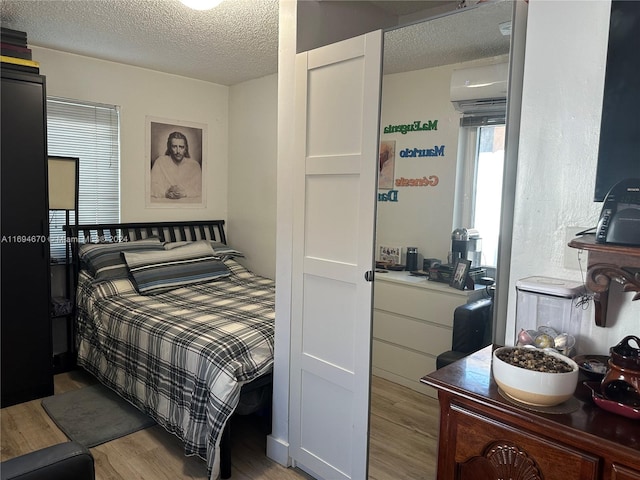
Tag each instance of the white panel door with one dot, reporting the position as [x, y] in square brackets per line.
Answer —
[335, 192]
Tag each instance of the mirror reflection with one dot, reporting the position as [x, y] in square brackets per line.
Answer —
[440, 180]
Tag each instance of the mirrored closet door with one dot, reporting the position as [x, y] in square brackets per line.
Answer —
[437, 153]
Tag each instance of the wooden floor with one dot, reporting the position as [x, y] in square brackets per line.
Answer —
[403, 439]
[404, 426]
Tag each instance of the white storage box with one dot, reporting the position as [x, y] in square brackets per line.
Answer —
[550, 302]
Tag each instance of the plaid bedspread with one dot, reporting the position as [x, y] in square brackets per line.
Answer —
[180, 356]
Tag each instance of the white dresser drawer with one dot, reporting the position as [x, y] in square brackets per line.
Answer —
[412, 333]
[412, 325]
[404, 367]
[433, 306]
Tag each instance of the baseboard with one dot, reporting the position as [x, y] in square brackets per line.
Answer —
[278, 451]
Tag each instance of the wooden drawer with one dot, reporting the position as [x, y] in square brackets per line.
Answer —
[481, 441]
[434, 306]
[432, 339]
[402, 366]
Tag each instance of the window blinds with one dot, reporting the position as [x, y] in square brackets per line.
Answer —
[484, 120]
[90, 132]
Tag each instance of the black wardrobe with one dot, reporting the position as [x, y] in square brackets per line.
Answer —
[24, 259]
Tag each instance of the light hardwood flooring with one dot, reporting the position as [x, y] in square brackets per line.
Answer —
[404, 429]
[403, 438]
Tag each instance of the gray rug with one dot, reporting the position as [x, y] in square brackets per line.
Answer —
[95, 414]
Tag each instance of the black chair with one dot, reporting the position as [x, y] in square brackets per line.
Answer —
[64, 461]
[472, 329]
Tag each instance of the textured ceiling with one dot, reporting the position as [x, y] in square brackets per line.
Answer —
[236, 41]
[467, 34]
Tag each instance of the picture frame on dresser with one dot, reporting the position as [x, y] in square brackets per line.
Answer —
[460, 273]
[390, 254]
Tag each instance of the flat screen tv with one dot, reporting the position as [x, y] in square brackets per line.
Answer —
[619, 149]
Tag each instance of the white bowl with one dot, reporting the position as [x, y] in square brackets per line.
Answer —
[535, 388]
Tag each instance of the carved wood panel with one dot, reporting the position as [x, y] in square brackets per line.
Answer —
[498, 448]
[501, 460]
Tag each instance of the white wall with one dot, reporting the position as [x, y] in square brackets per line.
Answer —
[241, 120]
[140, 92]
[423, 216]
[562, 103]
[253, 116]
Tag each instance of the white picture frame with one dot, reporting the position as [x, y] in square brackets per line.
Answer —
[188, 186]
[391, 255]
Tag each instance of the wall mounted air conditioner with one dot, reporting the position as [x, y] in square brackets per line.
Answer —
[480, 89]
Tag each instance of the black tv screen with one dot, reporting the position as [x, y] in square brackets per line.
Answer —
[619, 149]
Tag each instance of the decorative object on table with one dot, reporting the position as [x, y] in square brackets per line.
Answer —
[540, 388]
[460, 273]
[622, 381]
[593, 366]
[547, 337]
[610, 405]
[563, 408]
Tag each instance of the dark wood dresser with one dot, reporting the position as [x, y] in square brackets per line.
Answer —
[486, 436]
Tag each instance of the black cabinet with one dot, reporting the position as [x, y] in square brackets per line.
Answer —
[24, 257]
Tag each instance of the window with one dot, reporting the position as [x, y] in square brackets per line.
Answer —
[488, 190]
[90, 132]
[479, 181]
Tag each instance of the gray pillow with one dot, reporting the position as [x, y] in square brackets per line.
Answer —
[104, 260]
[157, 272]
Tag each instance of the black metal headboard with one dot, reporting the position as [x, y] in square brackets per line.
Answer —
[128, 232]
[166, 231]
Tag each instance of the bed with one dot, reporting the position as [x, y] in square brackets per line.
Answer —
[168, 318]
